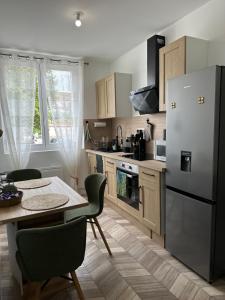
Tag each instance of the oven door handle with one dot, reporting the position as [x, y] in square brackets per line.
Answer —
[129, 174]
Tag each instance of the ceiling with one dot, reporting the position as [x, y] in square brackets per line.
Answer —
[110, 27]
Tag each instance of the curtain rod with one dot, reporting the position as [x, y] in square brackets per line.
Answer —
[37, 57]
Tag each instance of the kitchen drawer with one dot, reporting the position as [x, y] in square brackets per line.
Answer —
[109, 164]
[149, 175]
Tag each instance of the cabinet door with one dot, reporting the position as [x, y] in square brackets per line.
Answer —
[101, 99]
[110, 172]
[110, 96]
[150, 199]
[92, 163]
[172, 63]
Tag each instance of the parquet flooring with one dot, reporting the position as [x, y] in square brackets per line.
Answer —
[138, 269]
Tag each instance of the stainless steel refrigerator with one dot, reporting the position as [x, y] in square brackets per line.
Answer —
[195, 178]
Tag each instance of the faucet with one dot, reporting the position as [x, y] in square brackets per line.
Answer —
[121, 133]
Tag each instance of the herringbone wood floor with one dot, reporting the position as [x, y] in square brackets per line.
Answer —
[139, 269]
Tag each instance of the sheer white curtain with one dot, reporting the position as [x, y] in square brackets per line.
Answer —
[64, 89]
[17, 100]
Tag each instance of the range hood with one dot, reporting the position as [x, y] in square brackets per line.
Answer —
[146, 100]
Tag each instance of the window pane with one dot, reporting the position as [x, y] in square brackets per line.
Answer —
[20, 79]
[37, 134]
[60, 97]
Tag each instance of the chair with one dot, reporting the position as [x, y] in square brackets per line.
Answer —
[95, 187]
[53, 251]
[23, 174]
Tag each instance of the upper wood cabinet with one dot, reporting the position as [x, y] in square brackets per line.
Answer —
[112, 96]
[185, 55]
[100, 98]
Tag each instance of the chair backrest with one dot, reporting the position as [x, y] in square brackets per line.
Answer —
[23, 174]
[95, 187]
[51, 251]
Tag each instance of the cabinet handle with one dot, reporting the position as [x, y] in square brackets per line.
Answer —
[106, 175]
[109, 162]
[152, 175]
[141, 194]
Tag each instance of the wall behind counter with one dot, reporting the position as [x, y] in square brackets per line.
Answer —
[130, 126]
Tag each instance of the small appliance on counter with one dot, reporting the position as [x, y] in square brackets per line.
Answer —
[160, 148]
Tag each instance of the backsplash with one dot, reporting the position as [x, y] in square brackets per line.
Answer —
[98, 132]
[130, 125]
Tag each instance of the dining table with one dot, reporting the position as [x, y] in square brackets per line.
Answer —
[17, 217]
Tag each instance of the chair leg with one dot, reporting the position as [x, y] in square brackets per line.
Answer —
[77, 285]
[103, 237]
[32, 291]
[93, 228]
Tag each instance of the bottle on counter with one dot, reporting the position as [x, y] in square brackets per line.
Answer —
[141, 146]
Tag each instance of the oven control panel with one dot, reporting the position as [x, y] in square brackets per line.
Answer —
[127, 167]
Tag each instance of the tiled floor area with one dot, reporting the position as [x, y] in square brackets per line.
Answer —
[139, 269]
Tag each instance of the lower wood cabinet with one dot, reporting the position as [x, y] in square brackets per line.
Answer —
[149, 181]
[110, 173]
[92, 163]
[149, 213]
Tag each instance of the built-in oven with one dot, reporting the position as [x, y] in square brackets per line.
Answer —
[127, 183]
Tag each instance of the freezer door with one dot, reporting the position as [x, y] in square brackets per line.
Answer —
[188, 231]
[191, 124]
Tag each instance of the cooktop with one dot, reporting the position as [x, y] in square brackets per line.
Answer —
[147, 156]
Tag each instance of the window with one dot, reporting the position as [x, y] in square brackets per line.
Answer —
[56, 92]
[42, 108]
[43, 104]
[37, 132]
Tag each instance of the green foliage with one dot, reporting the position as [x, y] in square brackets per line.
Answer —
[37, 118]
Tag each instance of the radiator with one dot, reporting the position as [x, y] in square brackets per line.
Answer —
[52, 171]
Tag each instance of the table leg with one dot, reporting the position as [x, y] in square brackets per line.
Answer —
[11, 234]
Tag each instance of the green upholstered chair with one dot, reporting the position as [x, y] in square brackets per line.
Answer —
[95, 187]
[53, 251]
[23, 174]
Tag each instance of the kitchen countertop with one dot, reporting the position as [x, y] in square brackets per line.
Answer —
[150, 164]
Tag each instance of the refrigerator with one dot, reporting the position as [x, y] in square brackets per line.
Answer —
[195, 177]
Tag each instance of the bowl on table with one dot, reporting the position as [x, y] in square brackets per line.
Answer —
[9, 198]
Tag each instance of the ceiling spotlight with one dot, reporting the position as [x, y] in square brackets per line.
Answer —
[78, 20]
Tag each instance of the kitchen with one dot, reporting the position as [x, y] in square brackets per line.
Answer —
[151, 173]
[183, 172]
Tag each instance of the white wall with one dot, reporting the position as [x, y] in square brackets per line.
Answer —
[134, 62]
[207, 22]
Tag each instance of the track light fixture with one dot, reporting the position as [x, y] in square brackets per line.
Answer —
[78, 22]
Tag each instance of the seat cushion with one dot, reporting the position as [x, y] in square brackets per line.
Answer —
[90, 211]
